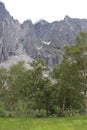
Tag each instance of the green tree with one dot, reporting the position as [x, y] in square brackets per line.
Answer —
[71, 74]
[37, 83]
[15, 82]
[50, 97]
[3, 91]
[77, 54]
[3, 78]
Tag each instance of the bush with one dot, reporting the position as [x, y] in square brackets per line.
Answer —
[4, 113]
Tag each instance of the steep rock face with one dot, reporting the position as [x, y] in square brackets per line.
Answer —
[41, 40]
[9, 34]
[57, 34]
[28, 37]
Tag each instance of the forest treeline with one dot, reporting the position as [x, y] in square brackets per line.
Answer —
[41, 91]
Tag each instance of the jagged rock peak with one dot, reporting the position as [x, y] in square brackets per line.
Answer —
[2, 6]
[42, 22]
[27, 22]
[40, 40]
[67, 18]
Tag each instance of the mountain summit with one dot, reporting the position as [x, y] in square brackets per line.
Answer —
[41, 40]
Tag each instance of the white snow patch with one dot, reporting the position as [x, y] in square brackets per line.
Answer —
[39, 48]
[47, 43]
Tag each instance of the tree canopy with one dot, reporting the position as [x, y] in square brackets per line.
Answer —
[39, 92]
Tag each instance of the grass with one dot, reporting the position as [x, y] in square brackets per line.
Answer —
[52, 123]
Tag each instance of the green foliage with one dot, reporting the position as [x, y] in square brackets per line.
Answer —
[71, 75]
[3, 78]
[30, 92]
[38, 85]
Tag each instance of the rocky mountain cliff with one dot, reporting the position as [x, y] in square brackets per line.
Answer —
[41, 40]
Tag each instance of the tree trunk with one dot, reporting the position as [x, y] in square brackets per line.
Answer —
[39, 109]
[63, 105]
[47, 108]
[11, 107]
[86, 104]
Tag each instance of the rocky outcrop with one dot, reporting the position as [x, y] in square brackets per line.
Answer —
[9, 34]
[41, 40]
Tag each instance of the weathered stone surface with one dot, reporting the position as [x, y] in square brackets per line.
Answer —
[41, 40]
